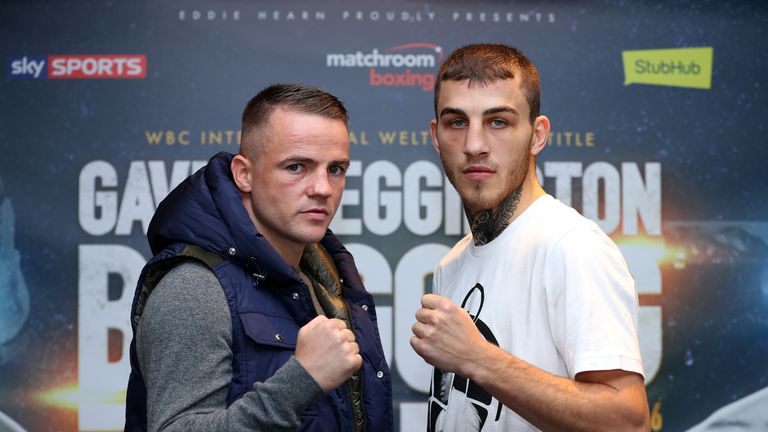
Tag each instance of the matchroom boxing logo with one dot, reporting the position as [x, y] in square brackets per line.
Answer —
[107, 66]
[406, 65]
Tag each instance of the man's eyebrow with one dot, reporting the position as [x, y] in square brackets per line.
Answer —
[450, 110]
[489, 111]
[501, 109]
[294, 159]
[305, 160]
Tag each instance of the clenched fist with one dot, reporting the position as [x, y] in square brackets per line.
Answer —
[328, 351]
[445, 335]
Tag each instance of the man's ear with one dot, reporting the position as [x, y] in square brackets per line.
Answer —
[433, 133]
[241, 173]
[540, 134]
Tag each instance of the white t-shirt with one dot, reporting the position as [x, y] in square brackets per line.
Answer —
[554, 291]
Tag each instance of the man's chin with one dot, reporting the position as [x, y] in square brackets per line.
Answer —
[316, 235]
[475, 202]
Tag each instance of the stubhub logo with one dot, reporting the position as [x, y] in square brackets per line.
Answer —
[106, 66]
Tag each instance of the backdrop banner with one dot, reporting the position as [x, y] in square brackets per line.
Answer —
[658, 135]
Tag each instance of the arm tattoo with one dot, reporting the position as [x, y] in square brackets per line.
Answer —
[487, 224]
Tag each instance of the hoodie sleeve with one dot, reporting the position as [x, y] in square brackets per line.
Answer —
[184, 343]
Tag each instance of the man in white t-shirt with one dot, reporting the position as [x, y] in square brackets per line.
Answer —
[534, 322]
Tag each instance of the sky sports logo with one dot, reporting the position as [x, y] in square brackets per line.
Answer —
[397, 66]
[107, 66]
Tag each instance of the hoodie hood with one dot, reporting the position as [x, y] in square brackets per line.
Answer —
[207, 210]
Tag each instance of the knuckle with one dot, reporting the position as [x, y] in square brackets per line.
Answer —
[415, 343]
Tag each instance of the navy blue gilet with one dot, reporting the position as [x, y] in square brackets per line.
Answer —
[264, 333]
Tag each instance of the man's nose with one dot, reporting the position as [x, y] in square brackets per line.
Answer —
[321, 185]
[475, 143]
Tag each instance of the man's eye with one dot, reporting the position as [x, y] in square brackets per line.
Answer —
[458, 123]
[336, 170]
[294, 167]
[497, 123]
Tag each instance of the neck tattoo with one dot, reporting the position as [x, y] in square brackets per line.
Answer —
[487, 224]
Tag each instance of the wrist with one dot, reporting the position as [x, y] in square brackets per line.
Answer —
[484, 359]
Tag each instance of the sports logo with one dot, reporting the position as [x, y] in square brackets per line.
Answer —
[406, 65]
[104, 66]
[27, 67]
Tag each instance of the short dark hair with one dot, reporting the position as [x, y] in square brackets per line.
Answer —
[292, 97]
[487, 63]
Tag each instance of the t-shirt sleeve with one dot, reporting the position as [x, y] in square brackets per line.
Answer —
[184, 343]
[593, 304]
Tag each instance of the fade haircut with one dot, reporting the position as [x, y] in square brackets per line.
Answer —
[291, 97]
[487, 63]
